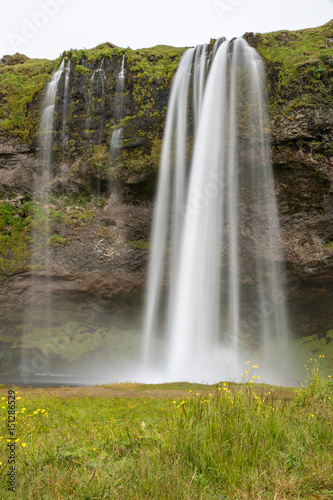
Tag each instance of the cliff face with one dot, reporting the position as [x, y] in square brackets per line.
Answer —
[101, 209]
[299, 72]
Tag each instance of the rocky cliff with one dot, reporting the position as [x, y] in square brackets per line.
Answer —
[101, 209]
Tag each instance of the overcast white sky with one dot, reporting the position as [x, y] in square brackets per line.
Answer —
[45, 28]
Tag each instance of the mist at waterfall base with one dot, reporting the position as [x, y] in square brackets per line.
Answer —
[215, 292]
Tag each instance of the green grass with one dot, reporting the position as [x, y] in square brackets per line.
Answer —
[299, 49]
[299, 66]
[178, 441]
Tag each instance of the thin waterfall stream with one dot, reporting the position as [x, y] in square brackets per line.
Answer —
[41, 252]
[117, 135]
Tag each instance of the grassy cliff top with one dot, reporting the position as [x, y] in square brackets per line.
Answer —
[299, 66]
[295, 49]
[299, 63]
[22, 79]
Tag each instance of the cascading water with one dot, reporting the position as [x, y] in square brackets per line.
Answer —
[46, 135]
[38, 312]
[96, 111]
[120, 91]
[42, 185]
[116, 142]
[199, 77]
[96, 105]
[173, 155]
[65, 108]
[215, 226]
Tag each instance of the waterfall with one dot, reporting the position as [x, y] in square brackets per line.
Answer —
[215, 237]
[96, 105]
[38, 312]
[199, 77]
[116, 142]
[120, 84]
[42, 186]
[65, 108]
[46, 133]
[174, 140]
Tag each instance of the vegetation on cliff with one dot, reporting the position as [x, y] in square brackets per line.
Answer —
[22, 84]
[299, 66]
[300, 87]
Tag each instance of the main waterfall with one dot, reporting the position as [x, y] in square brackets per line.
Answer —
[215, 238]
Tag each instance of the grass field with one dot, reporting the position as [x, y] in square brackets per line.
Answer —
[170, 441]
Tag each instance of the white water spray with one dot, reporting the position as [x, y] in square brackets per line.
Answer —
[96, 105]
[65, 108]
[117, 136]
[38, 313]
[46, 133]
[215, 239]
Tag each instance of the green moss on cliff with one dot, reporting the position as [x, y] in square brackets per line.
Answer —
[21, 88]
[135, 164]
[22, 84]
[98, 161]
[15, 227]
[299, 65]
[155, 63]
